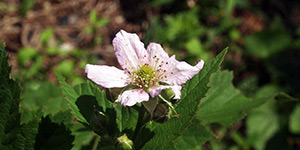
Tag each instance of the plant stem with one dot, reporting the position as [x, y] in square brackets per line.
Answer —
[96, 142]
[169, 103]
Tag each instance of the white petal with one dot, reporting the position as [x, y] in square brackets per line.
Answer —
[129, 50]
[179, 72]
[131, 97]
[156, 90]
[106, 76]
[157, 55]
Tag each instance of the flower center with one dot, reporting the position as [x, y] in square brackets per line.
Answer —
[144, 77]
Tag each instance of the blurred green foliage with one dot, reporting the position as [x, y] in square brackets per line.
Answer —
[264, 61]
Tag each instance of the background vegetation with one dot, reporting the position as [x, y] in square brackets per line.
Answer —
[263, 37]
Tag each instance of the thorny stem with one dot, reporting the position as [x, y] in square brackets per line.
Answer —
[169, 103]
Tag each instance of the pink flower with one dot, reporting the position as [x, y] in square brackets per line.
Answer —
[143, 69]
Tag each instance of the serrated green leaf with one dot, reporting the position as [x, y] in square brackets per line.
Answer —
[166, 133]
[71, 97]
[83, 136]
[29, 132]
[52, 136]
[82, 99]
[126, 118]
[192, 138]
[13, 135]
[223, 103]
[45, 99]
[91, 89]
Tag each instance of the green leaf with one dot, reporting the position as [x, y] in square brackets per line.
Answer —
[294, 124]
[71, 97]
[46, 35]
[155, 134]
[29, 131]
[26, 6]
[13, 135]
[53, 136]
[45, 99]
[193, 137]
[93, 16]
[91, 89]
[82, 100]
[262, 123]
[26, 54]
[66, 68]
[102, 22]
[126, 118]
[223, 103]
[83, 136]
[267, 42]
[196, 48]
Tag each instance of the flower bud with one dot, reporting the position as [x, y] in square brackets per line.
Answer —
[125, 143]
[160, 113]
[98, 121]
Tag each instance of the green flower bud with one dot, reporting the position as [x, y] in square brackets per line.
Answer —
[160, 113]
[125, 143]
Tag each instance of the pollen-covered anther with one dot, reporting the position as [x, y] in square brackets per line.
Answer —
[144, 76]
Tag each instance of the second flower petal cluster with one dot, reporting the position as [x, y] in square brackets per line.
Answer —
[144, 69]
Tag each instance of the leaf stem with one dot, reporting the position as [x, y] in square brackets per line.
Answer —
[169, 103]
[96, 142]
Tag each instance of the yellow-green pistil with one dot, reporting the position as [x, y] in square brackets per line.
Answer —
[144, 77]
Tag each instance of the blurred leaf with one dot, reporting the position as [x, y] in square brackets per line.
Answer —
[46, 35]
[194, 136]
[265, 121]
[262, 123]
[45, 100]
[234, 34]
[294, 123]
[66, 67]
[35, 67]
[223, 103]
[230, 4]
[267, 42]
[89, 30]
[52, 50]
[155, 134]
[156, 3]
[241, 142]
[26, 54]
[93, 16]
[195, 47]
[248, 86]
[102, 22]
[26, 5]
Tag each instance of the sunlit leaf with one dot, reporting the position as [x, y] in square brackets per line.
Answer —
[155, 134]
